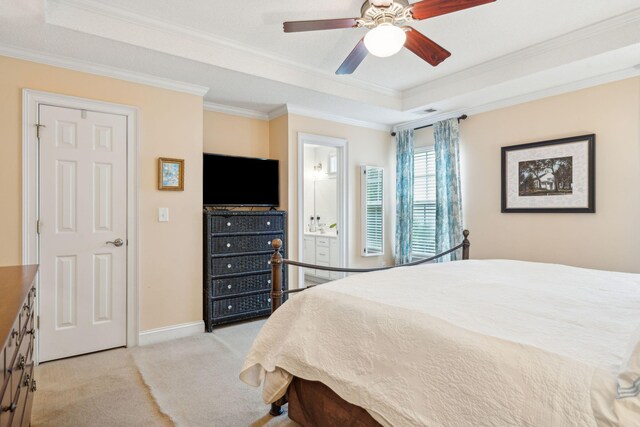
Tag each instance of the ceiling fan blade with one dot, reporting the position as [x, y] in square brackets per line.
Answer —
[326, 24]
[430, 8]
[354, 59]
[425, 48]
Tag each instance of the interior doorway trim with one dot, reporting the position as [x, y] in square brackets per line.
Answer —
[31, 100]
[343, 189]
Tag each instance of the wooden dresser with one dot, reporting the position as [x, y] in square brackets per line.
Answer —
[237, 263]
[17, 331]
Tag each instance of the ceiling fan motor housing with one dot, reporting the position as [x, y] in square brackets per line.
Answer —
[376, 12]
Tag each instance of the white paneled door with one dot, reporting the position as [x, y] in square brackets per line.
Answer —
[83, 227]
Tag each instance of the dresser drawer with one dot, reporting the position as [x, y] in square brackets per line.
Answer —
[242, 305]
[221, 245]
[240, 264]
[14, 338]
[242, 284]
[18, 365]
[6, 403]
[246, 223]
[28, 389]
[22, 392]
[27, 312]
[12, 415]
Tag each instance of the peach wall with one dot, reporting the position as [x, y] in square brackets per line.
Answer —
[279, 149]
[171, 125]
[608, 239]
[237, 136]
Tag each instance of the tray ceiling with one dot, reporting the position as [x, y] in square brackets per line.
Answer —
[239, 50]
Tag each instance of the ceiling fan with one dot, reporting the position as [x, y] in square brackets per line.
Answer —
[388, 33]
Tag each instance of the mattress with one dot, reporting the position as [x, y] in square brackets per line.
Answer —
[491, 342]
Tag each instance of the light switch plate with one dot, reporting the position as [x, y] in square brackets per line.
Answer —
[163, 214]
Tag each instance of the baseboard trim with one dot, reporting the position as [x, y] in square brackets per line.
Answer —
[168, 333]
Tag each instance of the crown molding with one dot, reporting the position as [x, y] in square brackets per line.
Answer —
[101, 70]
[162, 36]
[604, 36]
[279, 112]
[521, 99]
[287, 109]
[235, 111]
[315, 114]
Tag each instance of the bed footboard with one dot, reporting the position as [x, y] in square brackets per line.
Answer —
[278, 263]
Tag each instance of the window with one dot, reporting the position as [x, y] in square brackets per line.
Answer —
[373, 211]
[423, 238]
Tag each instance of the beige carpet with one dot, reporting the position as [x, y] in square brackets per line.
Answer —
[187, 382]
[101, 389]
[195, 380]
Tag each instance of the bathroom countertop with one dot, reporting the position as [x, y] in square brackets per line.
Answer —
[319, 234]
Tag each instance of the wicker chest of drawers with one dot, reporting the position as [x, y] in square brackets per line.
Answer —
[17, 328]
[237, 263]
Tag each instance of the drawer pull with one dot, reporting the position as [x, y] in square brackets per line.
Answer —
[228, 265]
[228, 224]
[269, 243]
[229, 287]
[269, 262]
[269, 281]
[228, 245]
[34, 387]
[21, 362]
[229, 307]
[268, 222]
[11, 408]
[269, 300]
[27, 380]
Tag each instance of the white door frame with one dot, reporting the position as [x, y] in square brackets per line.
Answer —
[342, 148]
[31, 100]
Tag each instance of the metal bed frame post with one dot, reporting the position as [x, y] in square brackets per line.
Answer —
[276, 301]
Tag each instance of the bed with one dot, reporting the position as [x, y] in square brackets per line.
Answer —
[473, 342]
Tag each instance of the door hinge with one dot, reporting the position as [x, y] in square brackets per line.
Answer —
[38, 227]
[38, 126]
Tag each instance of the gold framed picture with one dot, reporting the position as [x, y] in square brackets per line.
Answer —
[170, 174]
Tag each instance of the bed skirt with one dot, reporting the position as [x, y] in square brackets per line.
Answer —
[312, 403]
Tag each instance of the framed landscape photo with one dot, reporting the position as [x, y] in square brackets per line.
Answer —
[550, 176]
[170, 174]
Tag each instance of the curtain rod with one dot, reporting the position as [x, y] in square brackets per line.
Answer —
[462, 117]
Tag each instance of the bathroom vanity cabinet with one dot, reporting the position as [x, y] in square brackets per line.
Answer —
[323, 250]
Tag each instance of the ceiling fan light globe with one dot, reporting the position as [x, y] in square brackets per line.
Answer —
[385, 40]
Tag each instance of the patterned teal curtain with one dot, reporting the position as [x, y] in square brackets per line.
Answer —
[448, 197]
[404, 195]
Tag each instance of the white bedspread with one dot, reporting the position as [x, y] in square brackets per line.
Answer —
[471, 343]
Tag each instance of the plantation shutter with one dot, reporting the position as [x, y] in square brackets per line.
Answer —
[423, 235]
[373, 177]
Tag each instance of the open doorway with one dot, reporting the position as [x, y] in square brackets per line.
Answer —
[322, 218]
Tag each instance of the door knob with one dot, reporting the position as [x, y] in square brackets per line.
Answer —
[117, 243]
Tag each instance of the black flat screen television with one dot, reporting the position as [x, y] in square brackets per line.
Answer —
[240, 181]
